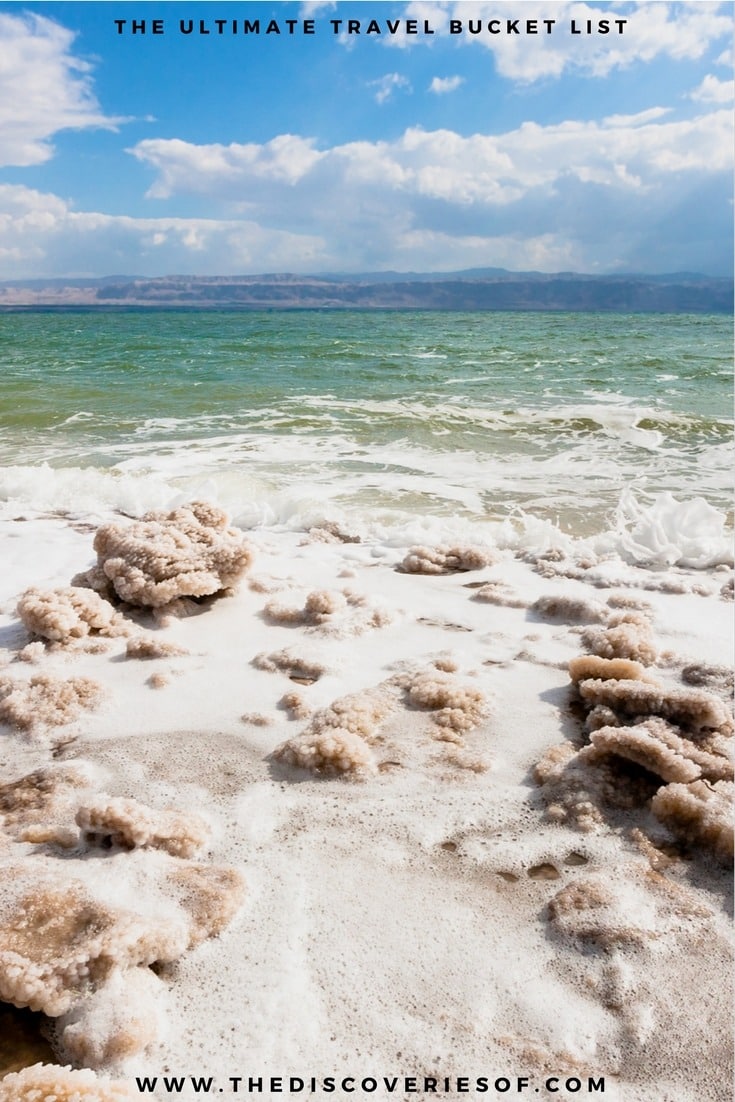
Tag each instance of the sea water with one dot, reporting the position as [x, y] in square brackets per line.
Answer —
[395, 424]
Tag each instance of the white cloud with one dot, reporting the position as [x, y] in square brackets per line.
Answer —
[620, 152]
[712, 90]
[589, 191]
[442, 85]
[44, 88]
[41, 236]
[680, 31]
[387, 85]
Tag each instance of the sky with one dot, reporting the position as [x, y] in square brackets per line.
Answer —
[493, 136]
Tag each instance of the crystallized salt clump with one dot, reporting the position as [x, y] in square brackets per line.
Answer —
[45, 701]
[188, 552]
[331, 612]
[147, 646]
[129, 824]
[337, 739]
[330, 752]
[49, 1083]
[58, 943]
[456, 705]
[69, 613]
[699, 814]
[445, 560]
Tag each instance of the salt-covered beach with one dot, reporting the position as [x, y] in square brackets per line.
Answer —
[364, 817]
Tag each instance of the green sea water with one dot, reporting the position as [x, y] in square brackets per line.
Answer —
[281, 415]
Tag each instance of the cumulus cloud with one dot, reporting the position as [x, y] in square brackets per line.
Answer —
[442, 85]
[712, 90]
[679, 31]
[44, 88]
[623, 152]
[40, 235]
[571, 194]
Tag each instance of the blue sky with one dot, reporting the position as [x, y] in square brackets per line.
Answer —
[232, 153]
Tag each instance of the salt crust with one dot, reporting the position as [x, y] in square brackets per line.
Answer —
[68, 613]
[292, 664]
[50, 1083]
[147, 646]
[81, 958]
[445, 560]
[570, 609]
[45, 701]
[628, 635]
[455, 705]
[699, 814]
[647, 742]
[694, 709]
[338, 740]
[598, 912]
[129, 824]
[166, 556]
[331, 612]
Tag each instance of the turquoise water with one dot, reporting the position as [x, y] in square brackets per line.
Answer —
[380, 413]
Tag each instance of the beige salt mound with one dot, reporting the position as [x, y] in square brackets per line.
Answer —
[692, 709]
[444, 560]
[58, 943]
[337, 739]
[579, 794]
[628, 635]
[166, 556]
[332, 612]
[588, 666]
[45, 701]
[699, 814]
[68, 613]
[147, 646]
[128, 824]
[658, 747]
[454, 704]
[331, 752]
[293, 665]
[49, 1083]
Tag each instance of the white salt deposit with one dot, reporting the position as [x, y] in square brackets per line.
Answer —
[417, 912]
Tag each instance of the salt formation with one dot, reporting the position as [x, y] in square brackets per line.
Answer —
[445, 560]
[165, 556]
[331, 612]
[295, 666]
[597, 913]
[77, 937]
[337, 739]
[68, 613]
[147, 646]
[58, 942]
[627, 635]
[456, 706]
[45, 701]
[700, 814]
[129, 824]
[648, 744]
[49, 1083]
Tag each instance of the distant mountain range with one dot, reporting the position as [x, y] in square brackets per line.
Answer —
[472, 289]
